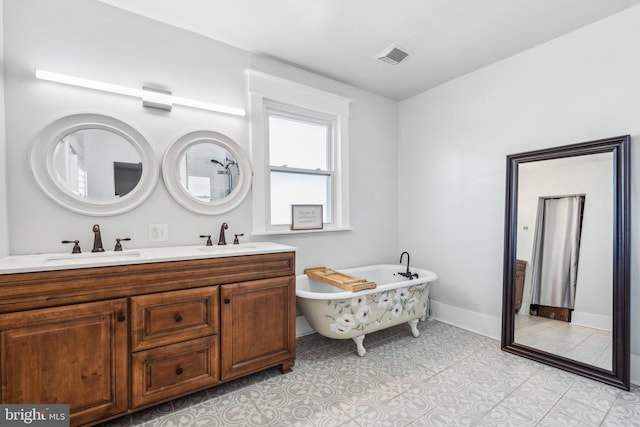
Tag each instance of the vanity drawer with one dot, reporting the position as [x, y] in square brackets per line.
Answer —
[173, 370]
[171, 317]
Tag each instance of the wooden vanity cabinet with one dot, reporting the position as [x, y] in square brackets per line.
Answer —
[77, 355]
[521, 267]
[112, 340]
[258, 329]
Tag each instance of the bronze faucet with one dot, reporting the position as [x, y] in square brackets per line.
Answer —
[221, 239]
[97, 239]
[118, 247]
[407, 273]
[208, 236]
[76, 246]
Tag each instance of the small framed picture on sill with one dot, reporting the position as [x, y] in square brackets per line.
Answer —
[306, 217]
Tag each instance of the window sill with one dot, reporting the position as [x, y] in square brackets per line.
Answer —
[291, 232]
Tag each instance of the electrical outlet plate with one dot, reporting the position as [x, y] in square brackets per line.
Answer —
[158, 232]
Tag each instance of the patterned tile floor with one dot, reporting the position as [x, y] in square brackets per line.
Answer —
[446, 377]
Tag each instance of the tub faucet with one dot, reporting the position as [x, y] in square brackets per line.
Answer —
[97, 239]
[407, 273]
[221, 239]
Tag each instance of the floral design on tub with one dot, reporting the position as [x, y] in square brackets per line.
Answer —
[362, 312]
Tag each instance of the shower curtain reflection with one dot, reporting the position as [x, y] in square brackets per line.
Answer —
[555, 256]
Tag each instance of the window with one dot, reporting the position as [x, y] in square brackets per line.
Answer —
[299, 153]
[300, 163]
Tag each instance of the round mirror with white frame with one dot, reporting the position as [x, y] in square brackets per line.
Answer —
[206, 172]
[94, 164]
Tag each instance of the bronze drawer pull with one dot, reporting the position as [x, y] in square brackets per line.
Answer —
[178, 318]
[227, 300]
[179, 371]
[120, 317]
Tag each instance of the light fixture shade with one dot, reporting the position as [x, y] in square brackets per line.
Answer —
[86, 83]
[151, 97]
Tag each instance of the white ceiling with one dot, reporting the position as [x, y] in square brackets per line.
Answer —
[340, 38]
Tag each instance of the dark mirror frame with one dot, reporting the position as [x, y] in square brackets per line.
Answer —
[619, 147]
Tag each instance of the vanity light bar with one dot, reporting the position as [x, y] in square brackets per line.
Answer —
[147, 95]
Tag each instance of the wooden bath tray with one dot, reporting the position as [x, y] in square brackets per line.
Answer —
[340, 280]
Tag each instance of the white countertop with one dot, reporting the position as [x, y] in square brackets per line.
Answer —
[65, 261]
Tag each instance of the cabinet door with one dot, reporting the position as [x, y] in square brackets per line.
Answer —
[74, 355]
[258, 326]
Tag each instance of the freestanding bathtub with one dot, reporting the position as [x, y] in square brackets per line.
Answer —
[340, 314]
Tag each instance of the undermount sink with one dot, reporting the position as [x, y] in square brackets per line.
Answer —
[87, 256]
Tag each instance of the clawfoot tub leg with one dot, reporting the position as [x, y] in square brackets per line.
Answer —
[414, 328]
[358, 340]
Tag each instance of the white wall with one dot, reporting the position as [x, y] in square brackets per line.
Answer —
[4, 231]
[97, 41]
[453, 145]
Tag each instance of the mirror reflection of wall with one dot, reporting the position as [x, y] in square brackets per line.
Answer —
[86, 164]
[592, 177]
[68, 160]
[208, 171]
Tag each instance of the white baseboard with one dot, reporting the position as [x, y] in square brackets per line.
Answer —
[483, 324]
[589, 320]
[302, 326]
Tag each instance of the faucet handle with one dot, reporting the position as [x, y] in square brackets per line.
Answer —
[235, 240]
[118, 247]
[208, 236]
[76, 246]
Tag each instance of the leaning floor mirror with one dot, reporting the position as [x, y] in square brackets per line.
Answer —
[566, 261]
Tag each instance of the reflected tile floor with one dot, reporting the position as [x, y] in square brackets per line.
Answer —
[581, 343]
[445, 377]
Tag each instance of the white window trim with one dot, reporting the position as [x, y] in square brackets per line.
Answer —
[264, 88]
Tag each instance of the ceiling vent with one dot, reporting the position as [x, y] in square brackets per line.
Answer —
[392, 55]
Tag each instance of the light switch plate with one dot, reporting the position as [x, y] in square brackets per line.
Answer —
[158, 232]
